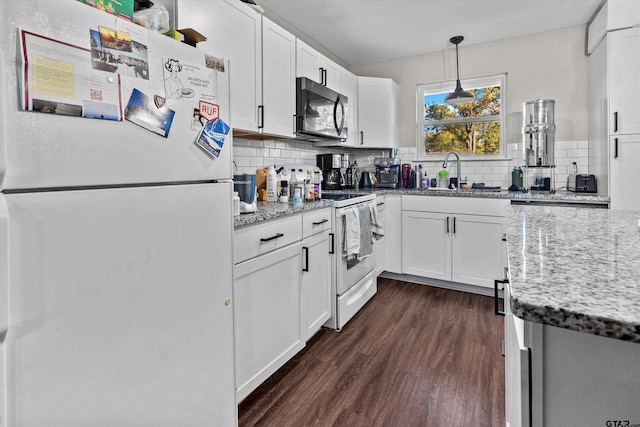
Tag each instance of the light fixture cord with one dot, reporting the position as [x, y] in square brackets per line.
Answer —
[457, 64]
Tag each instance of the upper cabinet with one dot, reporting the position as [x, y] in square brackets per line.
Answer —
[261, 60]
[233, 31]
[614, 120]
[349, 88]
[624, 68]
[315, 66]
[613, 15]
[278, 80]
[378, 100]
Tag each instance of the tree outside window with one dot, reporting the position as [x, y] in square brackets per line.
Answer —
[473, 129]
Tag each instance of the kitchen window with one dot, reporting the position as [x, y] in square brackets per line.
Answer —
[473, 129]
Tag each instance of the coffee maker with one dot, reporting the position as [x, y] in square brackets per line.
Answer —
[330, 165]
[387, 172]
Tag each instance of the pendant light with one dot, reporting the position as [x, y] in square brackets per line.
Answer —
[458, 96]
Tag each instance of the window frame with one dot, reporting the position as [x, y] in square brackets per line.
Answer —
[467, 84]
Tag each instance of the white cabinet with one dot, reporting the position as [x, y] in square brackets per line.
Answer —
[624, 69]
[315, 66]
[268, 328]
[516, 368]
[476, 249]
[349, 88]
[559, 377]
[624, 158]
[378, 103]
[282, 292]
[233, 31]
[453, 239]
[261, 62]
[393, 233]
[426, 244]
[316, 271]
[614, 120]
[278, 109]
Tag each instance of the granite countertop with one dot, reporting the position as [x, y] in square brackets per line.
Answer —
[576, 268]
[534, 196]
[272, 210]
[267, 211]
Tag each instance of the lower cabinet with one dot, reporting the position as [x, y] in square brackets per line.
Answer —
[393, 233]
[316, 282]
[268, 328]
[282, 292]
[453, 239]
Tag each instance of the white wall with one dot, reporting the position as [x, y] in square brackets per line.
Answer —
[549, 65]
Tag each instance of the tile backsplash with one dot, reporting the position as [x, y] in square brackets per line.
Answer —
[250, 155]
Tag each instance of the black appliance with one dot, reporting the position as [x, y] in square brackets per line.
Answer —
[321, 113]
[580, 183]
[330, 165]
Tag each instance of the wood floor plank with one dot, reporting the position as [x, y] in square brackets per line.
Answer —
[414, 356]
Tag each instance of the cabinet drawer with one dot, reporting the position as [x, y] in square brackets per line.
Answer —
[258, 239]
[316, 222]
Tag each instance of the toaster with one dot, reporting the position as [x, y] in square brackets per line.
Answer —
[580, 183]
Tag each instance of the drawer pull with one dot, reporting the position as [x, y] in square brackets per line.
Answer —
[322, 221]
[267, 239]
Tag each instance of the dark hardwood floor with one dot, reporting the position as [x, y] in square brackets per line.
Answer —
[414, 356]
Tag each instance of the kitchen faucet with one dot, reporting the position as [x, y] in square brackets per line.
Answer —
[446, 160]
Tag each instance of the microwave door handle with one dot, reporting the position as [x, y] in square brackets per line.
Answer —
[339, 127]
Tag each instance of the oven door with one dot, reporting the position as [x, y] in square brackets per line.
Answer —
[349, 271]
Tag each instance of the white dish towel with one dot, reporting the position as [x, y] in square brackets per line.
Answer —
[351, 232]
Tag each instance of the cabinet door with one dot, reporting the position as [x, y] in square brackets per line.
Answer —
[316, 283]
[377, 112]
[624, 156]
[516, 367]
[426, 244]
[278, 80]
[624, 69]
[393, 233]
[308, 62]
[267, 324]
[233, 31]
[349, 88]
[476, 249]
[315, 66]
[331, 72]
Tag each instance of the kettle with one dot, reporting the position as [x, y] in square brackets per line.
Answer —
[365, 180]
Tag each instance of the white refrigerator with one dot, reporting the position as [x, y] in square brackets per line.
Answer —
[115, 242]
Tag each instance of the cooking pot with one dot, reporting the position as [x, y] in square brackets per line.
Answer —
[365, 180]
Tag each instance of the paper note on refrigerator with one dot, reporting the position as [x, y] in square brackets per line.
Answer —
[57, 78]
[188, 82]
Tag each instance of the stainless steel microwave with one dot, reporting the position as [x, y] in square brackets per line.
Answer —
[321, 113]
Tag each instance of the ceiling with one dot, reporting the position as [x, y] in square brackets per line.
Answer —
[361, 32]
